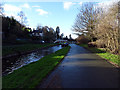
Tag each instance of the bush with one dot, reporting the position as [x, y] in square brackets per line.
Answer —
[100, 44]
[92, 44]
[82, 40]
[12, 37]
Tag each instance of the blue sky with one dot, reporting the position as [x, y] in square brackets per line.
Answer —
[51, 14]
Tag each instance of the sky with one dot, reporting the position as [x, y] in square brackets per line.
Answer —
[50, 13]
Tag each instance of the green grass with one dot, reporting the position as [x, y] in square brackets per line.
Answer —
[83, 45]
[111, 57]
[106, 55]
[30, 76]
[6, 50]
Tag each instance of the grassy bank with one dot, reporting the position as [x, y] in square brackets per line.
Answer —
[6, 50]
[31, 75]
[106, 55]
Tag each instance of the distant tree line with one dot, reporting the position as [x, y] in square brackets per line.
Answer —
[17, 32]
[13, 30]
[97, 27]
[48, 34]
[44, 33]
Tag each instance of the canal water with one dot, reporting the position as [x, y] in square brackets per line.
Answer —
[13, 63]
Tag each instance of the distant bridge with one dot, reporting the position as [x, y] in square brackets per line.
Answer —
[60, 41]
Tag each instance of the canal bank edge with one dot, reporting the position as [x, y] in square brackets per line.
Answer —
[15, 84]
[26, 52]
[39, 86]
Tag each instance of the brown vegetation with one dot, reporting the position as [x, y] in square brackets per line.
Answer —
[99, 26]
[82, 39]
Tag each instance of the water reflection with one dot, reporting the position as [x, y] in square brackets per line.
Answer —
[13, 63]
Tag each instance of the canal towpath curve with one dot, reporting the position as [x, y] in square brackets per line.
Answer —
[82, 69]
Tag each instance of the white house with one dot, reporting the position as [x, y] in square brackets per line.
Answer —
[37, 33]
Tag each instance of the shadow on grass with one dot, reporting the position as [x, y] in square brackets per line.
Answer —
[33, 73]
[96, 50]
[92, 49]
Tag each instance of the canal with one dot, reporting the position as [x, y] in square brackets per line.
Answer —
[13, 63]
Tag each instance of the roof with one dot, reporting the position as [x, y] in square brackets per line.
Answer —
[60, 41]
[37, 31]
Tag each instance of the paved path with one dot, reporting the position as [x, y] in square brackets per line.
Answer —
[82, 69]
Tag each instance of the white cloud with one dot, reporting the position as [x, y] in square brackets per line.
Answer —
[67, 5]
[36, 6]
[11, 8]
[13, 15]
[41, 11]
[25, 5]
[80, 3]
[28, 20]
[106, 4]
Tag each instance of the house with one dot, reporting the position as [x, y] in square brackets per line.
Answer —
[37, 33]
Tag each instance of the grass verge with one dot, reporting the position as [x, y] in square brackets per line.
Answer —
[6, 50]
[112, 58]
[31, 75]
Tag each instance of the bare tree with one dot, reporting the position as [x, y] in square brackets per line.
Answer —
[85, 20]
[95, 22]
[1, 9]
[23, 18]
[39, 27]
[107, 29]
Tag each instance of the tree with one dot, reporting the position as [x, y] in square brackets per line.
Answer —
[81, 39]
[8, 26]
[12, 30]
[23, 18]
[65, 38]
[49, 35]
[57, 32]
[39, 27]
[62, 36]
[1, 9]
[107, 29]
[85, 21]
[52, 34]
[70, 37]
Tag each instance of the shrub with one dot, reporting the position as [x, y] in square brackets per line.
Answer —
[100, 44]
[82, 40]
[92, 44]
